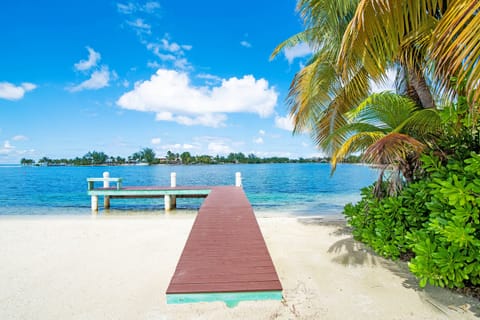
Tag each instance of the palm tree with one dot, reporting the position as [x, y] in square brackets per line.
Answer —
[436, 39]
[389, 130]
[319, 97]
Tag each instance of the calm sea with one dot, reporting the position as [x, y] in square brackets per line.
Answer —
[299, 189]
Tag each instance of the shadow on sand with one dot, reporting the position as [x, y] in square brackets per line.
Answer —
[349, 252]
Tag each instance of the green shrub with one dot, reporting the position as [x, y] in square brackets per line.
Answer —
[437, 218]
[447, 249]
[385, 223]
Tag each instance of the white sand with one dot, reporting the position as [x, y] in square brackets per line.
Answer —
[120, 267]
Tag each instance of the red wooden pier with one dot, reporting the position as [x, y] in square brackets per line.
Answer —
[225, 257]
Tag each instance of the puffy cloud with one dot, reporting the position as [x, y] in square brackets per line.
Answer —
[7, 145]
[99, 79]
[245, 44]
[156, 140]
[299, 51]
[258, 140]
[19, 138]
[219, 148]
[93, 58]
[10, 91]
[262, 132]
[172, 97]
[285, 123]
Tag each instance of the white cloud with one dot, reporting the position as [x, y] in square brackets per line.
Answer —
[156, 140]
[153, 64]
[207, 76]
[170, 52]
[140, 26]
[245, 44]
[130, 7]
[262, 132]
[7, 145]
[151, 6]
[219, 148]
[171, 47]
[179, 147]
[99, 79]
[299, 51]
[208, 120]
[93, 58]
[258, 140]
[182, 64]
[19, 138]
[285, 123]
[172, 97]
[10, 91]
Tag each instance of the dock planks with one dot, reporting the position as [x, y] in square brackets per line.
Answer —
[225, 252]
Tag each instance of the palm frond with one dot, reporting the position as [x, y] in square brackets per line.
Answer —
[309, 91]
[358, 142]
[456, 45]
[386, 110]
[424, 124]
[305, 36]
[392, 148]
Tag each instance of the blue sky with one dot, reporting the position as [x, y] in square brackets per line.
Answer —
[118, 76]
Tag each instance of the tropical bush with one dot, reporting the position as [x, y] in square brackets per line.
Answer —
[385, 224]
[437, 219]
[447, 248]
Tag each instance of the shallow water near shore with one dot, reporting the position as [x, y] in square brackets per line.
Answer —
[273, 189]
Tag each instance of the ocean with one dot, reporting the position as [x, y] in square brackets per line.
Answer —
[305, 189]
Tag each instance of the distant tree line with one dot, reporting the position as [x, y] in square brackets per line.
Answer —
[148, 156]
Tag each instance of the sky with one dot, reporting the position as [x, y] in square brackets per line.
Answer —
[119, 76]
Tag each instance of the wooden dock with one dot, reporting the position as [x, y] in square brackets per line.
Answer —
[170, 194]
[225, 257]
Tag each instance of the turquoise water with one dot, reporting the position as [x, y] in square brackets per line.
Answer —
[299, 189]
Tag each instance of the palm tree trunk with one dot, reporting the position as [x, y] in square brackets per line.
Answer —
[418, 82]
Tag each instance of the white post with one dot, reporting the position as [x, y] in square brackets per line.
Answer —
[106, 184]
[238, 179]
[171, 201]
[168, 203]
[173, 179]
[94, 203]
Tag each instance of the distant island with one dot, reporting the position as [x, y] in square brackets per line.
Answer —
[147, 156]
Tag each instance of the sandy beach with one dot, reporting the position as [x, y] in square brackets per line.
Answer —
[114, 267]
